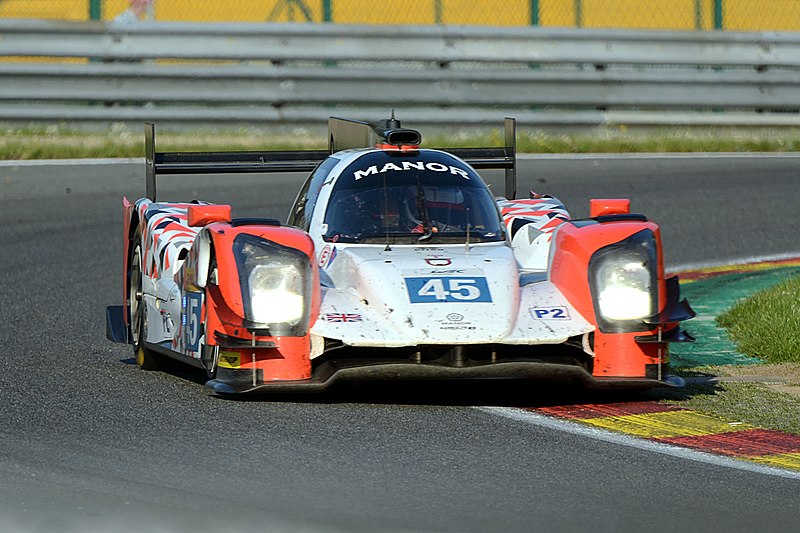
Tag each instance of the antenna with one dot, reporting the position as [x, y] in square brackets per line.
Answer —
[392, 123]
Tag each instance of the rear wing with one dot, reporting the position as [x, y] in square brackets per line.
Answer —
[159, 163]
[342, 134]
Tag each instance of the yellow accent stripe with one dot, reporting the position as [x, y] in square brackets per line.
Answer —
[665, 425]
[789, 461]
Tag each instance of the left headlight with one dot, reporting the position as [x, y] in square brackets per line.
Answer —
[276, 285]
[624, 283]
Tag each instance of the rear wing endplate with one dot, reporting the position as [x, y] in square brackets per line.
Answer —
[342, 134]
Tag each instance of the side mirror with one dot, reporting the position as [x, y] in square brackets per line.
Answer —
[609, 206]
[203, 215]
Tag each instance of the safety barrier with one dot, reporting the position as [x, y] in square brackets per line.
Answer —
[300, 74]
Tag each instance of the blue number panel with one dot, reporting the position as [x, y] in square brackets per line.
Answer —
[447, 290]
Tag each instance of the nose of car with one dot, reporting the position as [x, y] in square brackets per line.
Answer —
[442, 294]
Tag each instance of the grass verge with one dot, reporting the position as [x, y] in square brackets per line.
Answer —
[767, 325]
[58, 142]
[759, 404]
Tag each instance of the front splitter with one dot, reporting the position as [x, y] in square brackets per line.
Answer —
[325, 377]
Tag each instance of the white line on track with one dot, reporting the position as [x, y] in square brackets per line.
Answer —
[575, 428]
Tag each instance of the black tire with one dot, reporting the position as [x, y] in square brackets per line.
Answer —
[146, 358]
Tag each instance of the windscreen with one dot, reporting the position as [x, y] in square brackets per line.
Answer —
[411, 197]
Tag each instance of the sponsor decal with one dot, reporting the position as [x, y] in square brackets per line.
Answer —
[447, 289]
[438, 261]
[229, 359]
[411, 165]
[193, 322]
[455, 321]
[342, 317]
[549, 313]
[326, 256]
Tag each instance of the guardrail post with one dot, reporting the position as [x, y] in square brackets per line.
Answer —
[534, 12]
[327, 11]
[95, 9]
[698, 15]
[437, 11]
[718, 22]
[578, 13]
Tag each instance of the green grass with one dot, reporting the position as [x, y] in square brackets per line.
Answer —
[751, 403]
[60, 142]
[767, 325]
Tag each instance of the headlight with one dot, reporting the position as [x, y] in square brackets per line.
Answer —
[276, 294]
[625, 290]
[624, 283]
[276, 285]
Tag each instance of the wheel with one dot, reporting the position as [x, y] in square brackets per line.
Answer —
[146, 359]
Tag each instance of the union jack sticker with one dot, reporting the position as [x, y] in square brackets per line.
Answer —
[342, 317]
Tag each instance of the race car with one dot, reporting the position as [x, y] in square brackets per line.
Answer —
[396, 262]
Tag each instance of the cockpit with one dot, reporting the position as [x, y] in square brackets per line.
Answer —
[411, 198]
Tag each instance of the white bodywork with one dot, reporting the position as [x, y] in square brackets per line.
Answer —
[454, 294]
[374, 295]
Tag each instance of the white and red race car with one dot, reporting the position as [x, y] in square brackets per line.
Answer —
[396, 263]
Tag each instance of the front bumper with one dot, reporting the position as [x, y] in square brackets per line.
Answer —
[247, 382]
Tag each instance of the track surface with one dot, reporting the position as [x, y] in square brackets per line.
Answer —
[89, 442]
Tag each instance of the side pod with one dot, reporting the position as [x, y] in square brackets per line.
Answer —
[611, 269]
[262, 306]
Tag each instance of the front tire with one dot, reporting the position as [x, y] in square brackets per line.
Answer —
[146, 358]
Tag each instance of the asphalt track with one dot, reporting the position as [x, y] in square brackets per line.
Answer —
[90, 443]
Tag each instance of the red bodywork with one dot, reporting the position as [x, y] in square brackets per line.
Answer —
[616, 354]
[289, 359]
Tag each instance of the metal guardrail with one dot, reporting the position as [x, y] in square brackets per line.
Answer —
[291, 74]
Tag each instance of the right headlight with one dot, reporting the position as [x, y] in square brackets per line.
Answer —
[276, 293]
[276, 285]
[624, 283]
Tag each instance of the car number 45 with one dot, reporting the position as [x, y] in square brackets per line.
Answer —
[448, 290]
